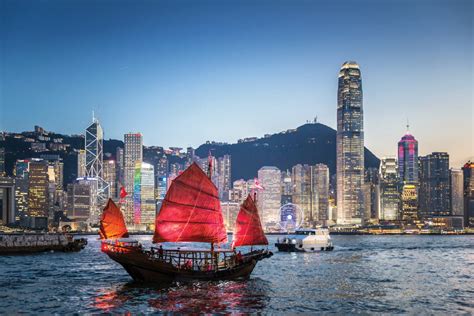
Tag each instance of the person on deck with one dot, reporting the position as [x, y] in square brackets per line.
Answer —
[160, 252]
[239, 257]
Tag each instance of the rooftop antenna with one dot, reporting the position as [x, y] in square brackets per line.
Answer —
[408, 126]
[93, 116]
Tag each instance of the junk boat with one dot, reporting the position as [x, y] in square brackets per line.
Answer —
[16, 243]
[190, 212]
[306, 240]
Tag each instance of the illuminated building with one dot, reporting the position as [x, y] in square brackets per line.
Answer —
[133, 154]
[371, 195]
[162, 167]
[144, 207]
[119, 168]
[81, 163]
[224, 176]
[22, 169]
[38, 182]
[456, 185]
[434, 185]
[7, 200]
[409, 203]
[350, 145]
[468, 192]
[302, 193]
[408, 159]
[110, 176]
[230, 210]
[240, 191]
[81, 200]
[389, 189]
[269, 198]
[160, 190]
[286, 188]
[320, 185]
[94, 159]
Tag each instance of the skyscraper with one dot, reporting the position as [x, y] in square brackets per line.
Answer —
[301, 176]
[408, 159]
[94, 158]
[389, 192]
[321, 187]
[22, 171]
[434, 185]
[119, 167]
[38, 188]
[81, 163]
[350, 145]
[468, 188]
[456, 185]
[144, 207]
[133, 154]
[224, 176]
[110, 176]
[269, 199]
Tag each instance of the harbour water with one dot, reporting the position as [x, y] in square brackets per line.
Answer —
[364, 274]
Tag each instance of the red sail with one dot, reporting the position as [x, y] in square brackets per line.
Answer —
[112, 224]
[248, 228]
[191, 210]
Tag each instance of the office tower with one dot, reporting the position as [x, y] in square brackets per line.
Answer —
[38, 184]
[350, 145]
[320, 185]
[389, 189]
[371, 194]
[94, 159]
[240, 191]
[434, 185]
[408, 159]
[224, 176]
[230, 210]
[286, 188]
[110, 176]
[56, 178]
[80, 200]
[133, 154]
[81, 163]
[409, 199]
[190, 156]
[468, 192]
[119, 167]
[456, 185]
[144, 207]
[21, 172]
[7, 200]
[301, 177]
[2, 162]
[269, 198]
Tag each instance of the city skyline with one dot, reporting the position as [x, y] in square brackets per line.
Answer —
[232, 70]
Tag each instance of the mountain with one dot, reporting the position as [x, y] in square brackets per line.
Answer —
[308, 144]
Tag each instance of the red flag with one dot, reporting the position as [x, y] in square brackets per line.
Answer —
[123, 193]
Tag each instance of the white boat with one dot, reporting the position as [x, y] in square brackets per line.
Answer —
[306, 240]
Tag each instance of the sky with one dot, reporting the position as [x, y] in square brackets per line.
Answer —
[184, 72]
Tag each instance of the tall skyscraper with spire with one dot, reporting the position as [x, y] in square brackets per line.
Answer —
[350, 145]
[408, 158]
[94, 158]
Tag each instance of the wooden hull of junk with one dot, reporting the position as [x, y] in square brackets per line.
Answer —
[17, 244]
[142, 266]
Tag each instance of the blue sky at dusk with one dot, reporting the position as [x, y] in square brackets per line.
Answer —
[183, 72]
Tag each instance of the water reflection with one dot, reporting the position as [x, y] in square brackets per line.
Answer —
[197, 297]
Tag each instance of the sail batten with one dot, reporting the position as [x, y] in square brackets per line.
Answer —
[191, 210]
[112, 224]
[248, 228]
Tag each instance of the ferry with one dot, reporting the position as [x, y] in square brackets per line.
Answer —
[306, 240]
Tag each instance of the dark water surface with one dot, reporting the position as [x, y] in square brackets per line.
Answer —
[364, 274]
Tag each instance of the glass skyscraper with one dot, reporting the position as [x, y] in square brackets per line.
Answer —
[408, 159]
[350, 145]
[434, 185]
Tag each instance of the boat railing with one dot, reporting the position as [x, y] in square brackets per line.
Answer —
[196, 260]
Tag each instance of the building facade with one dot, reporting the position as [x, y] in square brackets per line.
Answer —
[269, 198]
[350, 145]
[144, 206]
[389, 189]
[133, 154]
[434, 185]
[456, 185]
[468, 192]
